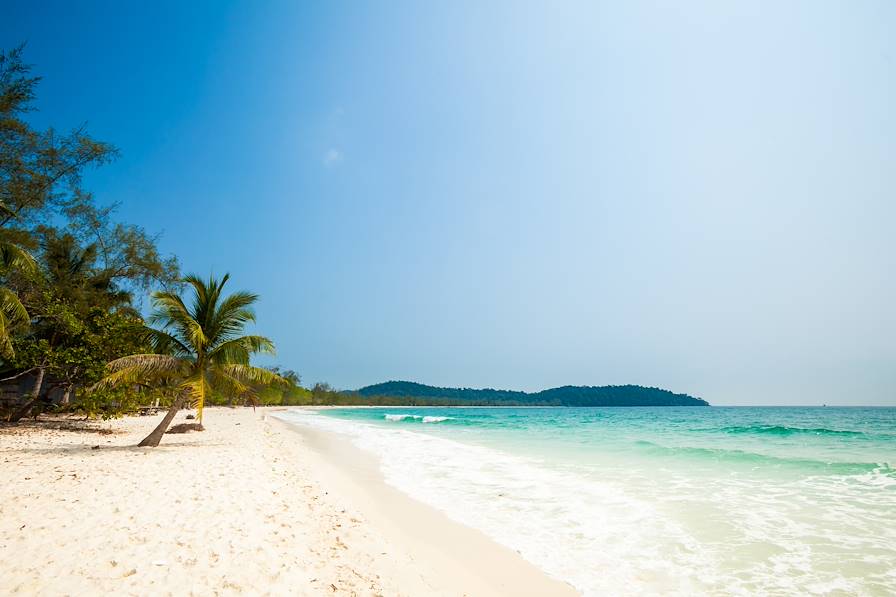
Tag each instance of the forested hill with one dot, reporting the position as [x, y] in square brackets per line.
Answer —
[564, 396]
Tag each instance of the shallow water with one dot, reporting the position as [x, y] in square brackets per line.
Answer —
[657, 500]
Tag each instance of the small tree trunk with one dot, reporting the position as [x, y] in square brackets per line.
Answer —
[152, 440]
[67, 397]
[35, 394]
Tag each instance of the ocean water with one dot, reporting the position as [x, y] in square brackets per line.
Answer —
[665, 501]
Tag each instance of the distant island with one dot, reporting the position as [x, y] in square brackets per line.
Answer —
[417, 394]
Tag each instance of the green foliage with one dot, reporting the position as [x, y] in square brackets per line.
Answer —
[285, 392]
[40, 171]
[297, 396]
[109, 403]
[289, 375]
[270, 396]
[66, 304]
[73, 346]
[290, 394]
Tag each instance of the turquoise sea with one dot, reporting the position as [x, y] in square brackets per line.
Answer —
[724, 501]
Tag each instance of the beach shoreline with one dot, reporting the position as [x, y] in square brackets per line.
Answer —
[251, 505]
[450, 555]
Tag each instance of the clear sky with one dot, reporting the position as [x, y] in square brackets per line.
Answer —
[692, 195]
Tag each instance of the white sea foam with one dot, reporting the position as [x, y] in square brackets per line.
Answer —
[435, 419]
[421, 418]
[401, 417]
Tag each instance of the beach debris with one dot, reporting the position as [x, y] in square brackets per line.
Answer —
[94, 447]
[130, 572]
[186, 428]
[160, 563]
[191, 416]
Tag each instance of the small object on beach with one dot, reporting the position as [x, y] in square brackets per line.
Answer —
[160, 563]
[22, 527]
[95, 448]
[186, 427]
[130, 572]
[191, 416]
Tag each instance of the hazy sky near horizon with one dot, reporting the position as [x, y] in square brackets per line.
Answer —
[692, 195]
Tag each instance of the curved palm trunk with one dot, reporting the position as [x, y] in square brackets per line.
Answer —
[35, 394]
[152, 440]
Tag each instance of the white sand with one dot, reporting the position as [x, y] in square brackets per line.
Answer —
[247, 507]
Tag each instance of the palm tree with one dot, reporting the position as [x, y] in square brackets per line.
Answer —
[198, 349]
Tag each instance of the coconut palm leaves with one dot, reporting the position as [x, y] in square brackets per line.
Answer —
[12, 311]
[13, 256]
[199, 345]
[12, 315]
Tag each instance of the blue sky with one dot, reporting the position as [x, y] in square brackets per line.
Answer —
[693, 195]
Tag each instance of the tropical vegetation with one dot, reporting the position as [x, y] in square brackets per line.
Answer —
[197, 348]
[72, 282]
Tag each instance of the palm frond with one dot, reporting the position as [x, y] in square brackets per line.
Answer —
[231, 316]
[227, 384]
[238, 350]
[126, 376]
[12, 315]
[165, 343]
[253, 375]
[205, 297]
[6, 349]
[151, 363]
[12, 307]
[6, 212]
[13, 256]
[171, 312]
[142, 369]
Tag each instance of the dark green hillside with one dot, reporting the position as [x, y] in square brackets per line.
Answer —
[628, 395]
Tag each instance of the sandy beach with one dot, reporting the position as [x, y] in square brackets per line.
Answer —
[250, 506]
